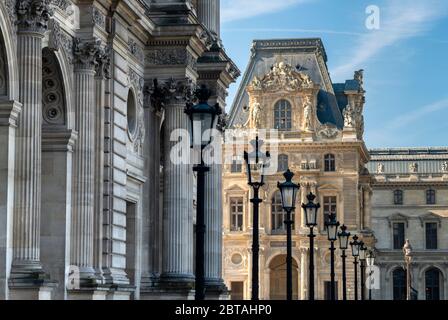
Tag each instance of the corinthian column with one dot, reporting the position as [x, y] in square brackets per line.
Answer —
[177, 197]
[82, 230]
[32, 17]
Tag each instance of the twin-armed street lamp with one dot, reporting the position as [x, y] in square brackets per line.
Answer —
[344, 236]
[288, 191]
[203, 119]
[332, 233]
[258, 161]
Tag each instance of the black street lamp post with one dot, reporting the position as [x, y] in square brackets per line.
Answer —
[370, 263]
[343, 236]
[288, 190]
[362, 260]
[310, 210]
[203, 118]
[356, 245]
[258, 161]
[332, 233]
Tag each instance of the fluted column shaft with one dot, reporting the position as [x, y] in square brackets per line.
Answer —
[26, 241]
[209, 14]
[82, 224]
[177, 203]
[213, 222]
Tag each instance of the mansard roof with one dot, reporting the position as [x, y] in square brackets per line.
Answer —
[306, 56]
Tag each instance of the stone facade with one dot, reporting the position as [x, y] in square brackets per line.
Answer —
[320, 138]
[410, 201]
[90, 205]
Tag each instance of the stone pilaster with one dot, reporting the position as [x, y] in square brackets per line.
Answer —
[9, 113]
[303, 273]
[27, 276]
[209, 15]
[101, 76]
[82, 232]
[177, 266]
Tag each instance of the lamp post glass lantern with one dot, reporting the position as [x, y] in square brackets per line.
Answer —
[257, 160]
[344, 236]
[288, 191]
[370, 263]
[362, 260]
[310, 210]
[203, 119]
[355, 245]
[332, 234]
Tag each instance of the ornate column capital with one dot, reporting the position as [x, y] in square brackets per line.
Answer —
[33, 15]
[171, 91]
[88, 54]
[102, 66]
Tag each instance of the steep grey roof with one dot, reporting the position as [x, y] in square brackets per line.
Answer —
[398, 160]
[306, 55]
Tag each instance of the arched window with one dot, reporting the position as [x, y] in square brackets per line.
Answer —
[432, 284]
[329, 163]
[398, 197]
[282, 163]
[282, 115]
[399, 284]
[278, 215]
[430, 196]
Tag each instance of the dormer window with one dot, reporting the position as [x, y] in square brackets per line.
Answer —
[282, 116]
[330, 163]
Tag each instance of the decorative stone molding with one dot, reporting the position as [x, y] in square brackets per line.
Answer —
[53, 102]
[9, 113]
[12, 13]
[33, 15]
[137, 83]
[282, 77]
[171, 56]
[103, 62]
[170, 91]
[136, 50]
[98, 18]
[328, 131]
[3, 72]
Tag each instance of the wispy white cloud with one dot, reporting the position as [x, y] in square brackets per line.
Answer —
[391, 130]
[232, 10]
[400, 20]
[297, 30]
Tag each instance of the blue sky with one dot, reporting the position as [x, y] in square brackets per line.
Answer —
[405, 61]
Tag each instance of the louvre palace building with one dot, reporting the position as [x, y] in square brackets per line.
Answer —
[384, 196]
[93, 208]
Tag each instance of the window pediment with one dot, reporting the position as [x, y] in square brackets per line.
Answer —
[398, 217]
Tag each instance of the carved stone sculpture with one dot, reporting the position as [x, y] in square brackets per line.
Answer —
[349, 117]
[308, 114]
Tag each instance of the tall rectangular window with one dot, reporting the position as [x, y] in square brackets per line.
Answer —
[430, 196]
[398, 197]
[236, 214]
[398, 231]
[431, 235]
[236, 166]
[330, 207]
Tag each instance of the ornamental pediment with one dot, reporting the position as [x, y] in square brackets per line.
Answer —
[281, 77]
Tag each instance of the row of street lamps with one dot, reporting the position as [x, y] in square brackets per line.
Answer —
[203, 118]
[288, 191]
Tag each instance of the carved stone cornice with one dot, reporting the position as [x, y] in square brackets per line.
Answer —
[170, 56]
[87, 54]
[33, 15]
